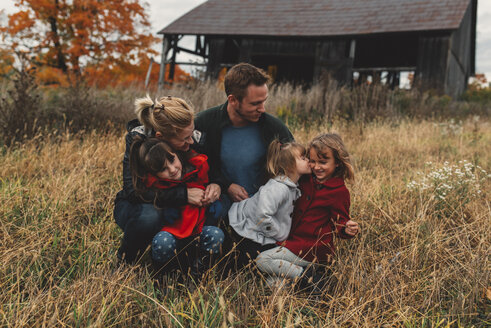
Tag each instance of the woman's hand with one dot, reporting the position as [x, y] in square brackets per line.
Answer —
[351, 228]
[195, 196]
[212, 193]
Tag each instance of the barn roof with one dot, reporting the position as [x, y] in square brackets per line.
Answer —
[318, 17]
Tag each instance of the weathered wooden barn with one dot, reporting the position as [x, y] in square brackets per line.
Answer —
[297, 40]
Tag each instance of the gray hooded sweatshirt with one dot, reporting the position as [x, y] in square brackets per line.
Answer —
[266, 217]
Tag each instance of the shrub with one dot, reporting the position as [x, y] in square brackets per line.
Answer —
[482, 96]
[19, 109]
[84, 108]
[26, 109]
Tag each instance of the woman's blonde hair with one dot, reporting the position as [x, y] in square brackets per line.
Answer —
[282, 158]
[167, 115]
[334, 142]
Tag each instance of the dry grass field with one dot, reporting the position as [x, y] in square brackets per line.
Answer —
[422, 259]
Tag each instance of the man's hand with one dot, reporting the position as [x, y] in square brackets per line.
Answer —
[351, 228]
[212, 193]
[195, 196]
[237, 193]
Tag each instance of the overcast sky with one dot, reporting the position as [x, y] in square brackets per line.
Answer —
[164, 12]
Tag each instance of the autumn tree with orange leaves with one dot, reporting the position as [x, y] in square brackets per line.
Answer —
[97, 41]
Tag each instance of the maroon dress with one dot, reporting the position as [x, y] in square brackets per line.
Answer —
[321, 211]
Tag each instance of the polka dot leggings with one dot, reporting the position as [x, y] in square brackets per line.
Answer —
[165, 245]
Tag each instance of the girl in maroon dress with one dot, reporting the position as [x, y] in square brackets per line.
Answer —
[321, 211]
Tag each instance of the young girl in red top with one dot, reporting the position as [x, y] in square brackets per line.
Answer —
[155, 165]
[321, 211]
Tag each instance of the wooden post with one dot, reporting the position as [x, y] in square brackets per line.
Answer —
[352, 49]
[173, 58]
[147, 79]
[351, 62]
[163, 62]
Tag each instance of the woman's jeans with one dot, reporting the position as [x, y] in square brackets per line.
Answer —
[140, 223]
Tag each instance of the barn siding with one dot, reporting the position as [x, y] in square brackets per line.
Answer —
[456, 79]
[283, 47]
[459, 64]
[246, 50]
[332, 56]
[215, 50]
[432, 62]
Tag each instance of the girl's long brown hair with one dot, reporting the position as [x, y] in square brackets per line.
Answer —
[334, 142]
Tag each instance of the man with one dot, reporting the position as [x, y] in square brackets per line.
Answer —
[235, 136]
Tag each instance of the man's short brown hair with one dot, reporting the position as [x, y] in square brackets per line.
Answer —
[240, 76]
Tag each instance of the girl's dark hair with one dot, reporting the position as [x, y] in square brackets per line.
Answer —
[148, 156]
[281, 157]
[334, 142]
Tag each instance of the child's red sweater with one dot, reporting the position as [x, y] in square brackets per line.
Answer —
[321, 211]
[192, 217]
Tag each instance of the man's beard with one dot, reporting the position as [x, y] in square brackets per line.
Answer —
[244, 117]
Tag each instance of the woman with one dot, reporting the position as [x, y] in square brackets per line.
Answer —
[143, 216]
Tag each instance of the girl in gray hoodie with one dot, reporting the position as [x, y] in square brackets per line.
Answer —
[266, 217]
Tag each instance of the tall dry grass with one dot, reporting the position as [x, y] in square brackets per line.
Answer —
[418, 262]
